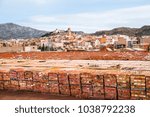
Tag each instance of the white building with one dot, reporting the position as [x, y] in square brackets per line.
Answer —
[31, 49]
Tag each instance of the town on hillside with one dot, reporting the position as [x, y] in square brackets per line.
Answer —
[68, 40]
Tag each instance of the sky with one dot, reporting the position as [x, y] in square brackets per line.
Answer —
[80, 15]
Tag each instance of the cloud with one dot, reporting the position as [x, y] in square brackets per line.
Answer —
[43, 19]
[29, 2]
[92, 21]
[42, 2]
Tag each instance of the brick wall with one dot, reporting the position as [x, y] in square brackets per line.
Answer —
[80, 85]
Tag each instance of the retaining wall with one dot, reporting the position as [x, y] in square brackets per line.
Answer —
[80, 85]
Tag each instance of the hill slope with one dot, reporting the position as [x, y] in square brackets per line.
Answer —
[143, 31]
[10, 30]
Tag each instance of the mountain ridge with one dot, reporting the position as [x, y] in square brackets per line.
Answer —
[143, 31]
[14, 31]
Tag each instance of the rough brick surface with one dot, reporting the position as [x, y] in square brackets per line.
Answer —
[83, 85]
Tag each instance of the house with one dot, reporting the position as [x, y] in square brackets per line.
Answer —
[97, 43]
[31, 48]
[145, 40]
[44, 42]
[132, 43]
[58, 45]
[11, 49]
[110, 40]
[145, 43]
[103, 40]
[121, 43]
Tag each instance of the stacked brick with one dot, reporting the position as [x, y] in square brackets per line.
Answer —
[86, 83]
[64, 86]
[19, 79]
[83, 85]
[138, 87]
[6, 80]
[98, 87]
[1, 81]
[75, 85]
[53, 83]
[148, 86]
[110, 86]
[123, 87]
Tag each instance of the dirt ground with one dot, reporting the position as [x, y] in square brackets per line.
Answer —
[78, 55]
[20, 95]
[134, 61]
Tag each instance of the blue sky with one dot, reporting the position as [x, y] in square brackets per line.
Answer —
[85, 15]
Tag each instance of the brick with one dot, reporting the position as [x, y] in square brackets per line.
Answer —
[53, 76]
[86, 75]
[29, 85]
[14, 82]
[63, 78]
[137, 77]
[6, 76]
[87, 90]
[40, 76]
[1, 85]
[85, 95]
[7, 85]
[28, 75]
[148, 82]
[75, 90]
[98, 96]
[45, 87]
[123, 81]
[44, 78]
[110, 80]
[53, 82]
[14, 88]
[74, 79]
[36, 86]
[138, 94]
[123, 94]
[37, 76]
[1, 76]
[22, 85]
[138, 82]
[98, 92]
[20, 75]
[64, 90]
[148, 93]
[110, 93]
[98, 80]
[54, 88]
[86, 78]
[13, 75]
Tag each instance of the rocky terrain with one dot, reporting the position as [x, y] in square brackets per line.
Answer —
[143, 31]
[10, 30]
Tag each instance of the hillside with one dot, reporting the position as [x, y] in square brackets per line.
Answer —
[10, 30]
[143, 31]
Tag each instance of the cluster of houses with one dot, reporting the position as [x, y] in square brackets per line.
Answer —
[69, 41]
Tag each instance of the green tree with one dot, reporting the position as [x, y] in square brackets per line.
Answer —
[43, 48]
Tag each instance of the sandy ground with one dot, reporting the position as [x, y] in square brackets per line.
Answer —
[20, 95]
[78, 55]
[70, 65]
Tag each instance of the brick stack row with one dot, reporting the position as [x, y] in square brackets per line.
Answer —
[83, 85]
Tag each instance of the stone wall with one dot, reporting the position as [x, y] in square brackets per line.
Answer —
[81, 85]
